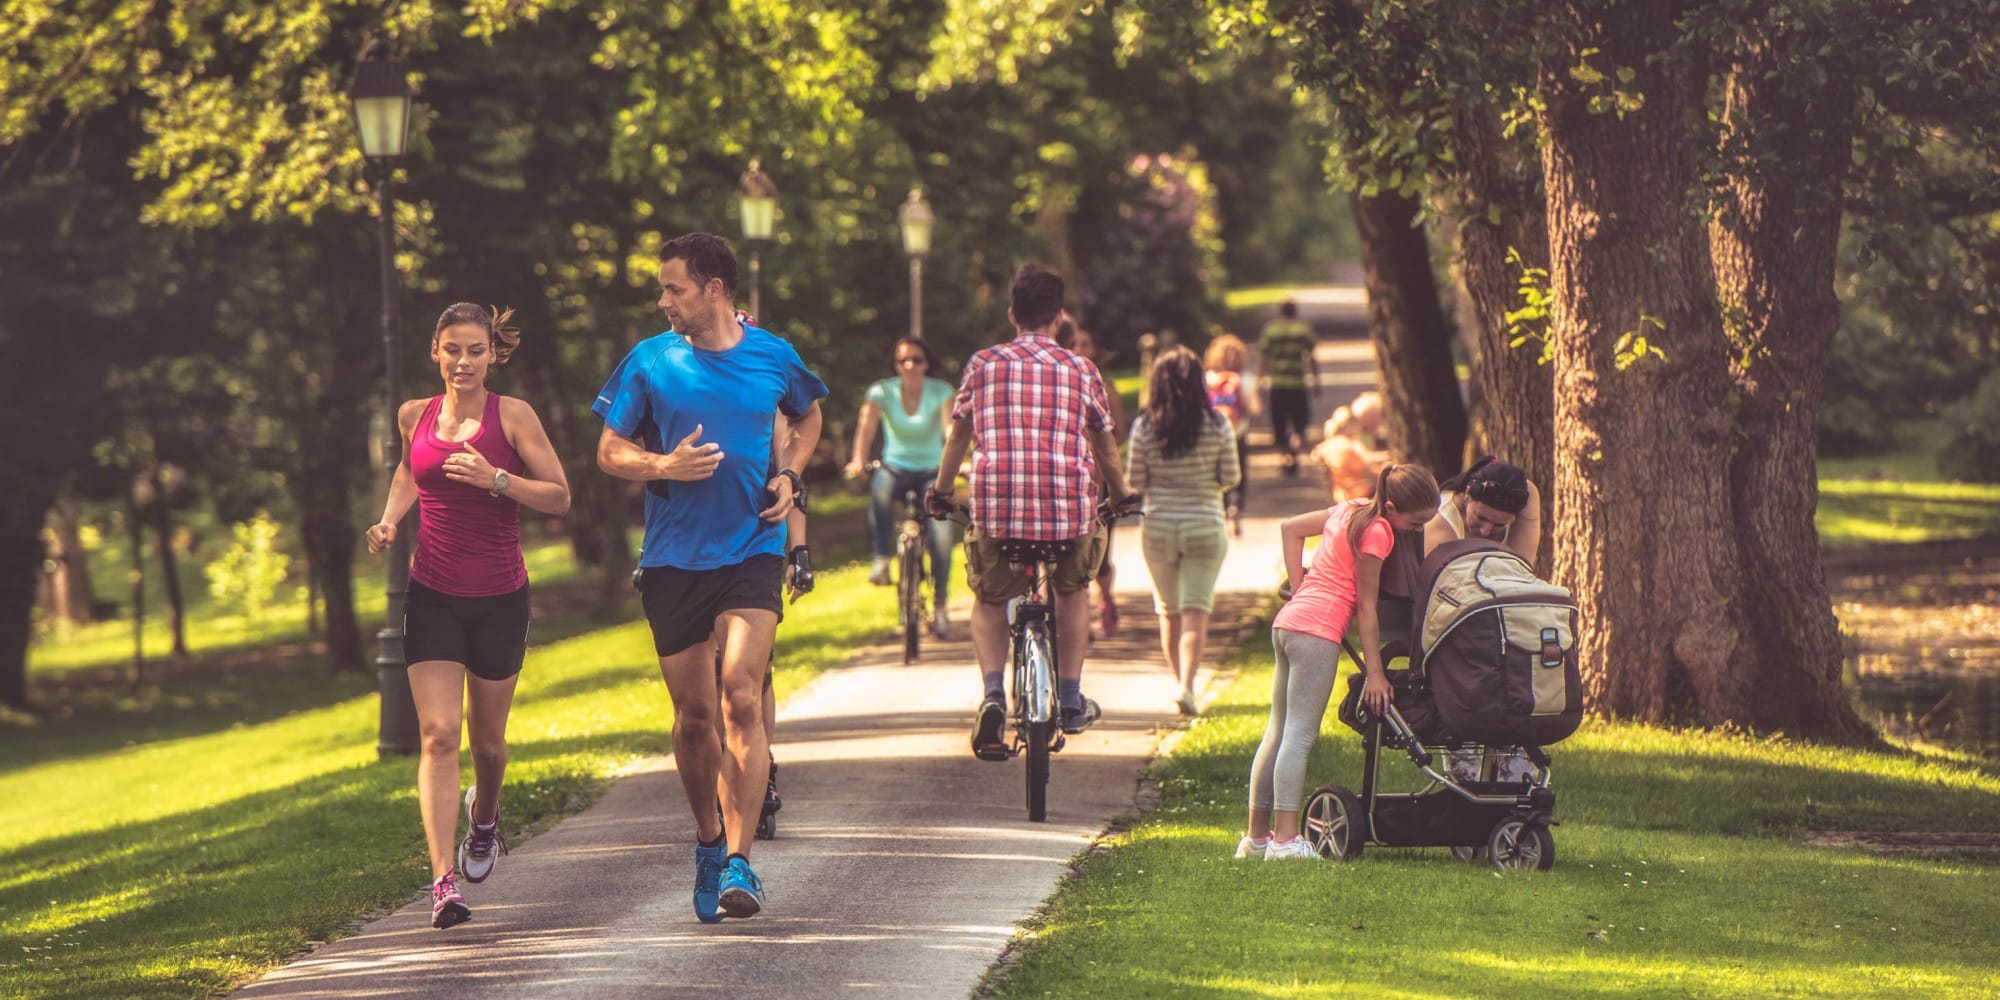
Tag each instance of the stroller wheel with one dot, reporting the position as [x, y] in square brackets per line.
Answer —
[1334, 824]
[1519, 845]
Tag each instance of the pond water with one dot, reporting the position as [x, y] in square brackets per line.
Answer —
[1928, 670]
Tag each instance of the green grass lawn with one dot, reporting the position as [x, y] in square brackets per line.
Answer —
[1681, 872]
[1866, 510]
[149, 841]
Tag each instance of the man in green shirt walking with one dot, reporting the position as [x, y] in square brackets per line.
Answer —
[1285, 352]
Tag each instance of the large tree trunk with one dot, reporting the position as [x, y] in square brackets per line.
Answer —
[170, 577]
[22, 510]
[1502, 211]
[71, 596]
[1643, 529]
[1413, 362]
[1775, 252]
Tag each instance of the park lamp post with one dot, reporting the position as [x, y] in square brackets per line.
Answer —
[757, 202]
[917, 221]
[381, 99]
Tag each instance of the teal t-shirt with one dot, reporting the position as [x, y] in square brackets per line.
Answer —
[911, 441]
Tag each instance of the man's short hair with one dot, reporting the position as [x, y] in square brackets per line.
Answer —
[705, 255]
[1290, 310]
[1036, 297]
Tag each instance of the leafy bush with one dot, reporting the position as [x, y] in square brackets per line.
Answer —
[246, 577]
[1160, 263]
[1972, 426]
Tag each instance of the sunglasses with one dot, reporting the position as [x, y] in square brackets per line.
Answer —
[910, 361]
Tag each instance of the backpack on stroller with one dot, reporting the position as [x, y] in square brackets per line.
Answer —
[1492, 680]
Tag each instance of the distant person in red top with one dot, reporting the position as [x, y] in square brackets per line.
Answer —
[1084, 343]
[1232, 396]
[471, 459]
[1039, 415]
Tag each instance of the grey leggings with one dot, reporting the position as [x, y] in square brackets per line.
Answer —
[1299, 691]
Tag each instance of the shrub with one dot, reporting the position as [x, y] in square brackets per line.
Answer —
[246, 577]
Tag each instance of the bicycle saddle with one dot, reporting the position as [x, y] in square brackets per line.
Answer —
[1016, 550]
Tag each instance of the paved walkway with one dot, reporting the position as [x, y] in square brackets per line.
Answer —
[902, 865]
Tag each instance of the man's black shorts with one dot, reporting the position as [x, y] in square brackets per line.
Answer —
[1290, 410]
[487, 635]
[682, 604]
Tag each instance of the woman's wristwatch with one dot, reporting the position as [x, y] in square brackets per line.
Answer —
[500, 482]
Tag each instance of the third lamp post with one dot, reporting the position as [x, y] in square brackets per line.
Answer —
[916, 219]
[757, 200]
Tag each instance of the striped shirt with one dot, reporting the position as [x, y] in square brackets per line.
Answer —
[1188, 487]
[1033, 407]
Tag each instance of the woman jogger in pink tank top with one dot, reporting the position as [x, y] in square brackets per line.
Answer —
[471, 459]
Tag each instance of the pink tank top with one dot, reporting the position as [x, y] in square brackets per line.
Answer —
[469, 542]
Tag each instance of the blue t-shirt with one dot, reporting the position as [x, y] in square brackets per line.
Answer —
[912, 441]
[667, 386]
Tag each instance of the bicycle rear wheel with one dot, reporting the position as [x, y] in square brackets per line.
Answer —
[1040, 692]
[910, 585]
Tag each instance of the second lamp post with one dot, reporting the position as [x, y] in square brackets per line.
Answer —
[916, 219]
[757, 200]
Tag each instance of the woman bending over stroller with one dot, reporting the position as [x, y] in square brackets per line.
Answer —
[1342, 588]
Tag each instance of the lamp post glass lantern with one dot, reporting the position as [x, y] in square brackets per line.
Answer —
[381, 99]
[916, 219]
[757, 203]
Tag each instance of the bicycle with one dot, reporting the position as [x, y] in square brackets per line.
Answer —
[1034, 712]
[912, 606]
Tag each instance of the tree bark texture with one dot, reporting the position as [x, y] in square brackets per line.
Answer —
[1424, 412]
[1502, 208]
[334, 431]
[1775, 250]
[1643, 531]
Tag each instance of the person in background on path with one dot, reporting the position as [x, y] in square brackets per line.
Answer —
[911, 409]
[471, 459]
[1084, 344]
[1232, 397]
[1348, 448]
[1044, 434]
[1183, 459]
[713, 559]
[1356, 536]
[1285, 360]
[1491, 500]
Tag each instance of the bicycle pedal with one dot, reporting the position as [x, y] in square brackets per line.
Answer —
[1056, 745]
[996, 754]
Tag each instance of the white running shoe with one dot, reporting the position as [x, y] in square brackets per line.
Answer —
[1247, 848]
[480, 850]
[1287, 850]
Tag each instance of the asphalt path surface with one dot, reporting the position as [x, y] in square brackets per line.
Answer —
[902, 866]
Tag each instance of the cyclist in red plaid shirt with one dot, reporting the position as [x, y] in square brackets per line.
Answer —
[1044, 434]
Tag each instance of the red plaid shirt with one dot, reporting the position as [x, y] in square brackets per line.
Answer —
[1032, 406]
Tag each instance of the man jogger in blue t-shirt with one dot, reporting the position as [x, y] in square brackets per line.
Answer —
[713, 562]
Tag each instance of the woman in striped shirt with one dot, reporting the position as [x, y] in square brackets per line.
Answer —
[1183, 460]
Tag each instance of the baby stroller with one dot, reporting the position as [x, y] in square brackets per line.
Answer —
[1492, 680]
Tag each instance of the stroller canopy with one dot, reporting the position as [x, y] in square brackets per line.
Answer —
[1497, 646]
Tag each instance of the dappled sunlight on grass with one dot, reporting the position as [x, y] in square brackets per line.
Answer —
[1681, 871]
[1853, 510]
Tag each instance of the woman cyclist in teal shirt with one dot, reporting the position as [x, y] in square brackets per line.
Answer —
[910, 407]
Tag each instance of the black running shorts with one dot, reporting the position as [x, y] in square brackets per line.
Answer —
[1290, 411]
[486, 635]
[682, 604]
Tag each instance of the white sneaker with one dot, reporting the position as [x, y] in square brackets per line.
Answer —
[1295, 848]
[941, 626]
[879, 574]
[1247, 848]
[477, 853]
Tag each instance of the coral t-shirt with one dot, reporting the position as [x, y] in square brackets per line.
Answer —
[1324, 602]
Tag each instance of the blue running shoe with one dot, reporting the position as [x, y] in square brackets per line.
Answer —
[708, 865]
[742, 890]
